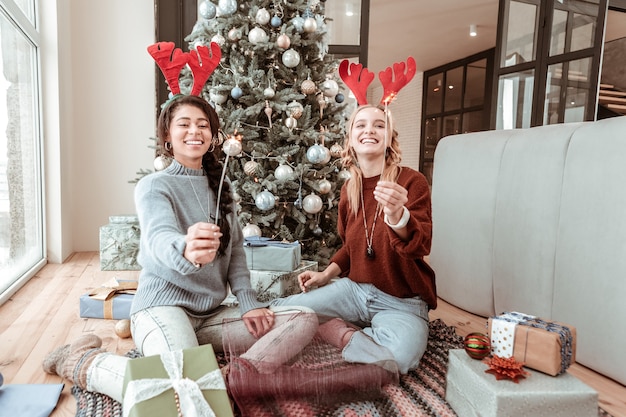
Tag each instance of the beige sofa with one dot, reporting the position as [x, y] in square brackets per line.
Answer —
[534, 220]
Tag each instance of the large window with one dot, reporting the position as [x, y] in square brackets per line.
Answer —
[21, 215]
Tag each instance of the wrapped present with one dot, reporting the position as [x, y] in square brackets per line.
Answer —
[265, 254]
[471, 391]
[543, 345]
[178, 383]
[274, 284]
[119, 244]
[110, 301]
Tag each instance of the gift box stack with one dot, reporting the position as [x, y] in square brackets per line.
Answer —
[275, 266]
[119, 244]
[178, 383]
[112, 300]
[543, 388]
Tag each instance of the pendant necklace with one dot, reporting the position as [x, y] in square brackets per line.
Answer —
[206, 216]
[369, 238]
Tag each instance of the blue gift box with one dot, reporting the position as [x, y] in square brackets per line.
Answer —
[111, 301]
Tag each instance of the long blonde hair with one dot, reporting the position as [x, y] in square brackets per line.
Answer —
[393, 156]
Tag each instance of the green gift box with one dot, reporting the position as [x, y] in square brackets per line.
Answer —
[170, 383]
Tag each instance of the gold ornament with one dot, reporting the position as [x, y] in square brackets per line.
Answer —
[308, 87]
[295, 109]
[335, 150]
[122, 328]
[250, 168]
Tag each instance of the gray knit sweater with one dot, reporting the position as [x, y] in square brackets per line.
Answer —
[167, 206]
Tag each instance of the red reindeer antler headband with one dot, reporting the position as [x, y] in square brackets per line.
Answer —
[172, 60]
[358, 79]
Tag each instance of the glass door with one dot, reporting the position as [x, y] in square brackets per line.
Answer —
[548, 59]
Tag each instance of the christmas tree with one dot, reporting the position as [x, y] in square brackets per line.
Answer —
[277, 90]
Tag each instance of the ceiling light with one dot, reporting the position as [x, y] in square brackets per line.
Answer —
[473, 30]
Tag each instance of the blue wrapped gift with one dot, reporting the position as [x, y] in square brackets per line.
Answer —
[110, 301]
[265, 254]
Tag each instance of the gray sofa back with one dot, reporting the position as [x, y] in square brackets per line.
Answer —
[534, 220]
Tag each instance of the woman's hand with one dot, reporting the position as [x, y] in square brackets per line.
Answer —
[312, 279]
[259, 321]
[392, 197]
[203, 241]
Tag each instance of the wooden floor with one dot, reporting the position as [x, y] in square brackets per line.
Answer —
[44, 314]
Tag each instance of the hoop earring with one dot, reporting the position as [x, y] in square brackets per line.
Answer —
[168, 146]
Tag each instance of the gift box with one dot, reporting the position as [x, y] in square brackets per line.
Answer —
[543, 345]
[264, 254]
[274, 284]
[471, 391]
[187, 382]
[110, 301]
[119, 244]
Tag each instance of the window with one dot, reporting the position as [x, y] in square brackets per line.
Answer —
[21, 203]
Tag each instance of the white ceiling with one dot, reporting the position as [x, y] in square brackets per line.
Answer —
[436, 32]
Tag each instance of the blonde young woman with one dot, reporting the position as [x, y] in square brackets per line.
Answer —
[386, 288]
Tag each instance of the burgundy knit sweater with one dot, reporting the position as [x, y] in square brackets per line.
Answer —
[398, 268]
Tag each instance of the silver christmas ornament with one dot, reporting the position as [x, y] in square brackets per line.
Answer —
[344, 175]
[218, 39]
[330, 88]
[312, 203]
[291, 123]
[232, 147]
[207, 10]
[161, 162]
[283, 172]
[217, 97]
[310, 25]
[317, 154]
[234, 34]
[291, 58]
[265, 200]
[269, 92]
[250, 230]
[226, 7]
[295, 109]
[262, 16]
[257, 35]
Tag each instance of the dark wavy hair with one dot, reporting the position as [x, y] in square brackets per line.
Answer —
[210, 160]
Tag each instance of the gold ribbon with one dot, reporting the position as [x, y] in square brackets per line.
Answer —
[109, 290]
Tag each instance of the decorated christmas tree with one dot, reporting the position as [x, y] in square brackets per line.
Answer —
[276, 89]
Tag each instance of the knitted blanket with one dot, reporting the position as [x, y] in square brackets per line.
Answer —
[419, 393]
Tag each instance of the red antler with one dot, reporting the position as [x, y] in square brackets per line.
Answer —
[392, 88]
[203, 64]
[357, 79]
[171, 61]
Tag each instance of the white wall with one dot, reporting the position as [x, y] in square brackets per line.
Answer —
[106, 98]
[100, 78]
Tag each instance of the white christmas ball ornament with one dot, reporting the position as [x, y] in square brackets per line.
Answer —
[283, 173]
[218, 39]
[122, 328]
[291, 58]
[232, 147]
[330, 88]
[310, 25]
[312, 203]
[291, 123]
[344, 175]
[250, 230]
[226, 7]
[265, 200]
[234, 34]
[207, 10]
[217, 97]
[262, 16]
[257, 35]
[161, 162]
[269, 92]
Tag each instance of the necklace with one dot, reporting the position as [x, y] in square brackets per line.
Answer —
[206, 216]
[369, 238]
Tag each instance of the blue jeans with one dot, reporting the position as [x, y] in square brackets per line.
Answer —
[167, 328]
[394, 328]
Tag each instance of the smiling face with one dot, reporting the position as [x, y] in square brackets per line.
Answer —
[190, 135]
[367, 133]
